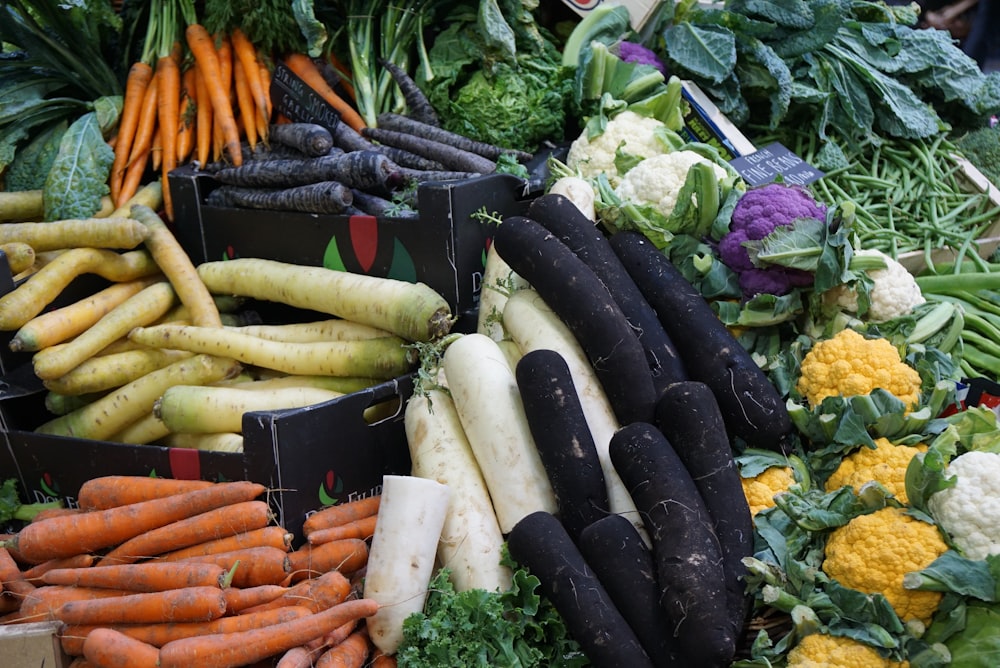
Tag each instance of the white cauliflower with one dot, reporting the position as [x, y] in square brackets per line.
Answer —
[895, 292]
[632, 132]
[969, 511]
[657, 180]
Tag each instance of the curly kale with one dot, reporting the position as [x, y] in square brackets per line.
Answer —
[498, 78]
[473, 628]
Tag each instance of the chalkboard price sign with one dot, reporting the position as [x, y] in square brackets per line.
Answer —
[766, 164]
[295, 100]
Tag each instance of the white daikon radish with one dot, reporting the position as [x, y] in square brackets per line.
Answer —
[471, 542]
[401, 559]
[499, 280]
[533, 325]
[578, 191]
[489, 407]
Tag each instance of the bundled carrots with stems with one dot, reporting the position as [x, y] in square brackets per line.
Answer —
[191, 94]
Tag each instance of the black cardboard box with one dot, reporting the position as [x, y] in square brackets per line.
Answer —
[307, 457]
[444, 248]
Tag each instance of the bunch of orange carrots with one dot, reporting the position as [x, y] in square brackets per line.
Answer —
[190, 95]
[161, 572]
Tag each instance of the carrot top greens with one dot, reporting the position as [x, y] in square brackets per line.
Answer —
[12, 508]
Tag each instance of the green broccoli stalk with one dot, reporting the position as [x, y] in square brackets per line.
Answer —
[11, 507]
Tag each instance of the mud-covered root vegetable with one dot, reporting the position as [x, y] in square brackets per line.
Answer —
[403, 549]
[685, 548]
[540, 543]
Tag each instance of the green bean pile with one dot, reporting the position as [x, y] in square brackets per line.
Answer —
[911, 195]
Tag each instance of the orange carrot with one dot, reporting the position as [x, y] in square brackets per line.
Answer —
[345, 73]
[245, 103]
[158, 634]
[241, 648]
[269, 536]
[316, 594]
[239, 599]
[303, 66]
[139, 76]
[363, 528]
[246, 54]
[352, 652]
[382, 660]
[346, 555]
[341, 513]
[188, 604]
[146, 577]
[254, 565]
[265, 82]
[109, 491]
[68, 535]
[34, 573]
[203, 119]
[44, 603]
[222, 521]
[297, 657]
[207, 57]
[108, 648]
[135, 172]
[156, 148]
[12, 580]
[168, 73]
[52, 512]
[141, 144]
[186, 114]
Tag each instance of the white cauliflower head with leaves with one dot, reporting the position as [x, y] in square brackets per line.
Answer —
[969, 511]
[895, 292]
[633, 133]
[657, 181]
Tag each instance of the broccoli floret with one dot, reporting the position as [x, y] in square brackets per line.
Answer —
[982, 148]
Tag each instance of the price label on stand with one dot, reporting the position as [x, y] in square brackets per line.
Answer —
[299, 103]
[766, 164]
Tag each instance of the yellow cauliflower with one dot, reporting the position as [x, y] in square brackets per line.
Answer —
[818, 650]
[873, 552]
[886, 464]
[850, 364]
[762, 488]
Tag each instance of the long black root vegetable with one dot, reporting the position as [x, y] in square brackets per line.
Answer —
[560, 216]
[619, 557]
[581, 300]
[323, 197]
[688, 415]
[540, 542]
[311, 139]
[685, 548]
[562, 436]
[365, 170]
[417, 104]
[751, 406]
[447, 154]
[400, 123]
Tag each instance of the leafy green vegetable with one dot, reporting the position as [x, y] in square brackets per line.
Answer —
[12, 508]
[844, 69]
[494, 76]
[31, 164]
[476, 628]
[79, 175]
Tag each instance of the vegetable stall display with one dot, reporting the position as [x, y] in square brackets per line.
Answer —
[759, 391]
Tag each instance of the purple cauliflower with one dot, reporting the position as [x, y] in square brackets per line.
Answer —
[631, 52]
[755, 215]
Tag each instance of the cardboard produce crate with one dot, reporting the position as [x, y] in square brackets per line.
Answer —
[32, 645]
[307, 457]
[445, 248]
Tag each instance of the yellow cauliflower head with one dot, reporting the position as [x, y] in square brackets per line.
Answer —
[848, 364]
[873, 552]
[885, 463]
[818, 650]
[762, 488]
